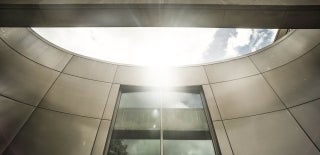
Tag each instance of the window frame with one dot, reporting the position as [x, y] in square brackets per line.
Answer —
[193, 89]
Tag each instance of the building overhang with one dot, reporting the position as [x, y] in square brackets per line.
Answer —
[164, 13]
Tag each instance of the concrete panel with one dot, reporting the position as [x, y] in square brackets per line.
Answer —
[244, 97]
[222, 138]
[23, 79]
[191, 13]
[291, 16]
[12, 117]
[241, 17]
[112, 100]
[260, 2]
[194, 17]
[298, 81]
[230, 70]
[77, 96]
[229, 2]
[272, 2]
[298, 43]
[298, 2]
[281, 33]
[101, 138]
[112, 2]
[237, 2]
[308, 116]
[181, 76]
[275, 133]
[53, 133]
[90, 69]
[132, 75]
[26, 43]
[212, 105]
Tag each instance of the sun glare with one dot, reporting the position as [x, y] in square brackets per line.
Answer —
[159, 76]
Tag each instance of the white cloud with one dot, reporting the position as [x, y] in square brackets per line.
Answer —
[242, 38]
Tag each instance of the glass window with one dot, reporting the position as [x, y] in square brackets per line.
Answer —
[140, 100]
[184, 119]
[161, 123]
[188, 147]
[138, 119]
[182, 100]
[134, 147]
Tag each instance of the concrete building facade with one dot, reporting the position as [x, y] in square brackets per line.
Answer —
[53, 102]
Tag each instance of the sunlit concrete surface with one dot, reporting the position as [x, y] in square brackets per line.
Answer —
[52, 101]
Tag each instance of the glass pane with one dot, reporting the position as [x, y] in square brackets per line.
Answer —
[182, 100]
[184, 119]
[188, 147]
[140, 100]
[138, 129]
[138, 119]
[134, 147]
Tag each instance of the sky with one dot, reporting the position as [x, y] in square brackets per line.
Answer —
[159, 46]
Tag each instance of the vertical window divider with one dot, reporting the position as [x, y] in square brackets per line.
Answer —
[161, 124]
[210, 125]
[112, 123]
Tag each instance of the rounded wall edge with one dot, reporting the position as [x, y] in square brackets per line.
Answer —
[26, 33]
[226, 74]
[61, 60]
[288, 90]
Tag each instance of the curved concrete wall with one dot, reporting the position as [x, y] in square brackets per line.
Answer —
[53, 102]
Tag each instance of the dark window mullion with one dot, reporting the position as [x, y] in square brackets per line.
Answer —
[161, 123]
[186, 135]
[136, 134]
[210, 125]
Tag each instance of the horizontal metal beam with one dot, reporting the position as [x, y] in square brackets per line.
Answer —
[159, 15]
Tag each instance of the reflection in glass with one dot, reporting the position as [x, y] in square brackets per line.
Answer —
[117, 147]
[147, 120]
[134, 147]
[138, 119]
[184, 119]
[182, 100]
[188, 147]
[140, 100]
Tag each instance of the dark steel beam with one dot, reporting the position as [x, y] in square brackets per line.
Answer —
[159, 15]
